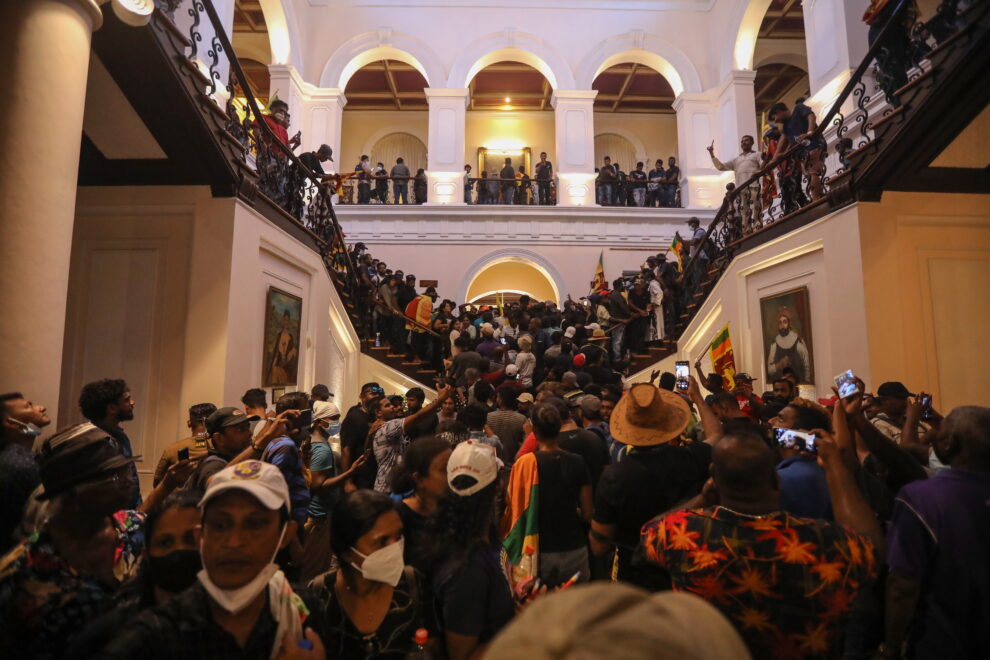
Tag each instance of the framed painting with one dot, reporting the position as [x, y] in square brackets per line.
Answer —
[283, 324]
[787, 337]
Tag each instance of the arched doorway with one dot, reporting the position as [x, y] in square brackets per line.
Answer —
[399, 145]
[509, 277]
[616, 147]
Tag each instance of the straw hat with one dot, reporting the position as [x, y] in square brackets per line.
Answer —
[648, 416]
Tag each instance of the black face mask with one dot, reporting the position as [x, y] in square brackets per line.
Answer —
[175, 571]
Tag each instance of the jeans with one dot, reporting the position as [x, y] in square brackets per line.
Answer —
[400, 193]
[364, 193]
[544, 188]
[608, 194]
[653, 197]
[639, 196]
[618, 334]
[509, 195]
[669, 192]
[467, 193]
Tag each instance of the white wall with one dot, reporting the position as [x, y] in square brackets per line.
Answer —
[823, 256]
[168, 291]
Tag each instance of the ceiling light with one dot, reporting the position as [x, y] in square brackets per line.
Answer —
[508, 100]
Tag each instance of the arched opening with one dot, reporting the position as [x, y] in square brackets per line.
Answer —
[509, 116]
[635, 122]
[509, 279]
[780, 55]
[386, 117]
[619, 149]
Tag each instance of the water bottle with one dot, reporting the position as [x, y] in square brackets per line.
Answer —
[378, 340]
[419, 650]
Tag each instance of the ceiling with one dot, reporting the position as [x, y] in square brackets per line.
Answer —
[632, 88]
[783, 20]
[248, 16]
[258, 78]
[773, 80]
[386, 85]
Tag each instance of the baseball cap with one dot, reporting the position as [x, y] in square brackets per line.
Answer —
[525, 397]
[894, 389]
[226, 417]
[591, 405]
[743, 376]
[77, 455]
[569, 333]
[580, 360]
[511, 370]
[324, 409]
[473, 459]
[263, 481]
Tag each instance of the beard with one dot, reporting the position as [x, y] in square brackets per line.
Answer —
[784, 332]
[125, 415]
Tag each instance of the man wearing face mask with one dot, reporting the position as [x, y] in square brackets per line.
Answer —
[241, 605]
[326, 487]
[21, 426]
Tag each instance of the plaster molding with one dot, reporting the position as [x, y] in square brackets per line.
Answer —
[383, 43]
[641, 48]
[514, 45]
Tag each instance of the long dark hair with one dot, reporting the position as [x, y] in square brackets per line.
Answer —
[416, 460]
[353, 517]
[142, 588]
[458, 526]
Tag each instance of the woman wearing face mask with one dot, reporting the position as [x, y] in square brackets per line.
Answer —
[372, 602]
[423, 471]
[169, 566]
[326, 487]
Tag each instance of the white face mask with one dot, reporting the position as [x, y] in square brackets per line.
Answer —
[384, 565]
[235, 600]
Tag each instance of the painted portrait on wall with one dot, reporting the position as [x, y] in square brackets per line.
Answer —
[787, 335]
[283, 323]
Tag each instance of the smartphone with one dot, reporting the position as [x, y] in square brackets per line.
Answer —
[926, 408]
[184, 454]
[502, 341]
[846, 384]
[682, 371]
[791, 439]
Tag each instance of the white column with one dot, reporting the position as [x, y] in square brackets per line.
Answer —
[45, 46]
[574, 115]
[325, 114]
[735, 112]
[445, 149]
[702, 185]
[836, 39]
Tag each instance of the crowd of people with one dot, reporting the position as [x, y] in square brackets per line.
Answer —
[660, 187]
[468, 527]
[622, 319]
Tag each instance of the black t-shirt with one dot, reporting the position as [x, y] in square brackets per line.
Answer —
[638, 179]
[312, 161]
[647, 482]
[562, 474]
[544, 170]
[607, 174]
[590, 447]
[673, 174]
[413, 524]
[476, 600]
[353, 433]
[404, 296]
[422, 426]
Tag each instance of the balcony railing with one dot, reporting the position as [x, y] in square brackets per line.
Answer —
[800, 176]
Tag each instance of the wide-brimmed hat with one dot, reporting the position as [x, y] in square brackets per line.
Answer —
[648, 416]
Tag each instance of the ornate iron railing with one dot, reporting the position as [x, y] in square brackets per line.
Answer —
[798, 174]
[282, 177]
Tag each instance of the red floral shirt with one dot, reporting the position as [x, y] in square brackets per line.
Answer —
[786, 583]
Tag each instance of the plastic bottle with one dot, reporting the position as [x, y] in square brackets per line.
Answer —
[419, 650]
[378, 340]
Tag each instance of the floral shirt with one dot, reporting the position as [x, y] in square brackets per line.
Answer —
[44, 601]
[786, 583]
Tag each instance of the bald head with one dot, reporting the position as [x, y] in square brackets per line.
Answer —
[744, 467]
[964, 439]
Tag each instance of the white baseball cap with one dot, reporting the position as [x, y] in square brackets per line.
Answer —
[474, 459]
[324, 409]
[569, 333]
[261, 480]
[511, 370]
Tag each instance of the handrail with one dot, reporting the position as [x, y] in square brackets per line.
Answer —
[273, 140]
[851, 84]
[380, 304]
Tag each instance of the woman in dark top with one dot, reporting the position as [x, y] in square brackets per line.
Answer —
[564, 488]
[423, 471]
[419, 186]
[372, 603]
[469, 579]
[639, 301]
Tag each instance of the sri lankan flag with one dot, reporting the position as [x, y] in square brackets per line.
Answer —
[723, 361]
[520, 523]
[676, 246]
[599, 282]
